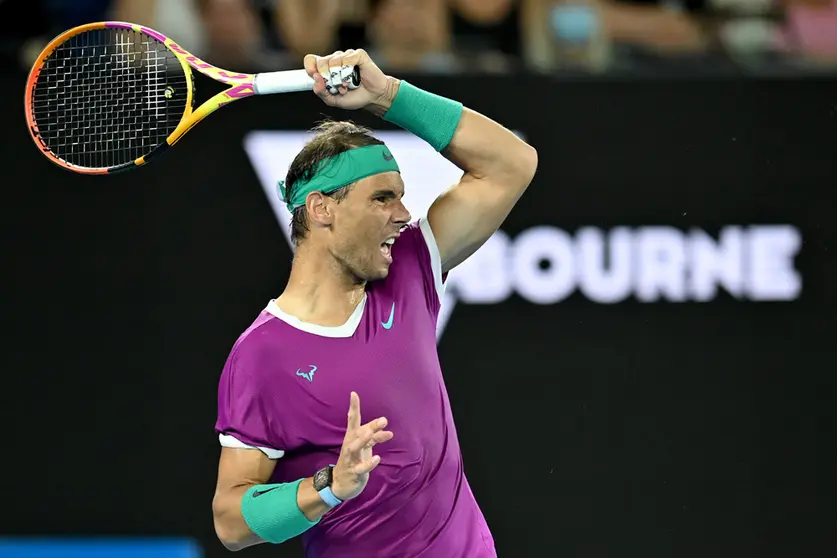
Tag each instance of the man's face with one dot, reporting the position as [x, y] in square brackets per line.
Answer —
[365, 224]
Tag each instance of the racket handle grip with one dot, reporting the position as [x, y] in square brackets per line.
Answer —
[291, 81]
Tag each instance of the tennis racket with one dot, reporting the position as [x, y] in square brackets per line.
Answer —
[110, 96]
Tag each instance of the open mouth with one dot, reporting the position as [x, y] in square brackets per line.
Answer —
[386, 248]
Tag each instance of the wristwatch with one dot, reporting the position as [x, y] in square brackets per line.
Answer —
[322, 484]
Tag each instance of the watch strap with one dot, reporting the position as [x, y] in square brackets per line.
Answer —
[328, 497]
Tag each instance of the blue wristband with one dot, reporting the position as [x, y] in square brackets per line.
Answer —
[328, 497]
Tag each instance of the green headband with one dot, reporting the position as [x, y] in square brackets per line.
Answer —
[341, 170]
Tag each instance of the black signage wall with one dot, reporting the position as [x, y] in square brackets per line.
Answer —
[673, 399]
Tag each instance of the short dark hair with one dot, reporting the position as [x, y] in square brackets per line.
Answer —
[332, 138]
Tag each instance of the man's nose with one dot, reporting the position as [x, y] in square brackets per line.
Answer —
[401, 215]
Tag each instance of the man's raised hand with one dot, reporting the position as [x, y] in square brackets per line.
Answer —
[356, 461]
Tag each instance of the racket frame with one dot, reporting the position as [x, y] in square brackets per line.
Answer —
[240, 86]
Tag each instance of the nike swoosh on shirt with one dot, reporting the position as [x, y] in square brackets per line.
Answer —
[388, 324]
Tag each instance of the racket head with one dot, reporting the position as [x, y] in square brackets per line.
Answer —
[106, 97]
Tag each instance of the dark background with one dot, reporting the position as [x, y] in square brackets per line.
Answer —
[588, 430]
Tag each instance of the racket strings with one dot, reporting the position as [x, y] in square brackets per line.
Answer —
[107, 97]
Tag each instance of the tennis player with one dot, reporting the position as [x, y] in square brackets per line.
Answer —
[356, 322]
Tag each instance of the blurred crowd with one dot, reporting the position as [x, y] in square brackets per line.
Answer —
[456, 36]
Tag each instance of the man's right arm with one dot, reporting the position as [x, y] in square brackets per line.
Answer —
[239, 470]
[246, 511]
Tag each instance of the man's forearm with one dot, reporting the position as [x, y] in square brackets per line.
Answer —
[231, 527]
[310, 502]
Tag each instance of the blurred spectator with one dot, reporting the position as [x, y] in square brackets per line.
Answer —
[226, 33]
[411, 36]
[810, 30]
[234, 37]
[568, 34]
[177, 19]
[745, 28]
[590, 34]
[772, 34]
[447, 36]
[490, 30]
[308, 26]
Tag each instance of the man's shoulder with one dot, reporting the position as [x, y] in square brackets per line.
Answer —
[263, 327]
[263, 341]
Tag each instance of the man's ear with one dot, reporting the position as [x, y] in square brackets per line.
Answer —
[320, 209]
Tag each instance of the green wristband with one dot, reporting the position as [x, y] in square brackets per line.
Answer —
[271, 512]
[430, 117]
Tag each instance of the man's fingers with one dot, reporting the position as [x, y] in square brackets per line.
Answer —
[355, 57]
[335, 72]
[324, 65]
[310, 64]
[335, 64]
[366, 434]
[319, 86]
[322, 69]
[354, 415]
[376, 438]
[381, 437]
[365, 467]
[342, 75]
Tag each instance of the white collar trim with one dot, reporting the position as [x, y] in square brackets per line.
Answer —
[346, 330]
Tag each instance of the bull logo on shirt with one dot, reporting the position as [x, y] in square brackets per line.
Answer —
[307, 375]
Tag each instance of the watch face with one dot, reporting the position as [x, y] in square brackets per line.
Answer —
[321, 479]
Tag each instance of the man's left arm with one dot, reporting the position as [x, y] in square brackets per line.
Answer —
[498, 168]
[497, 165]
